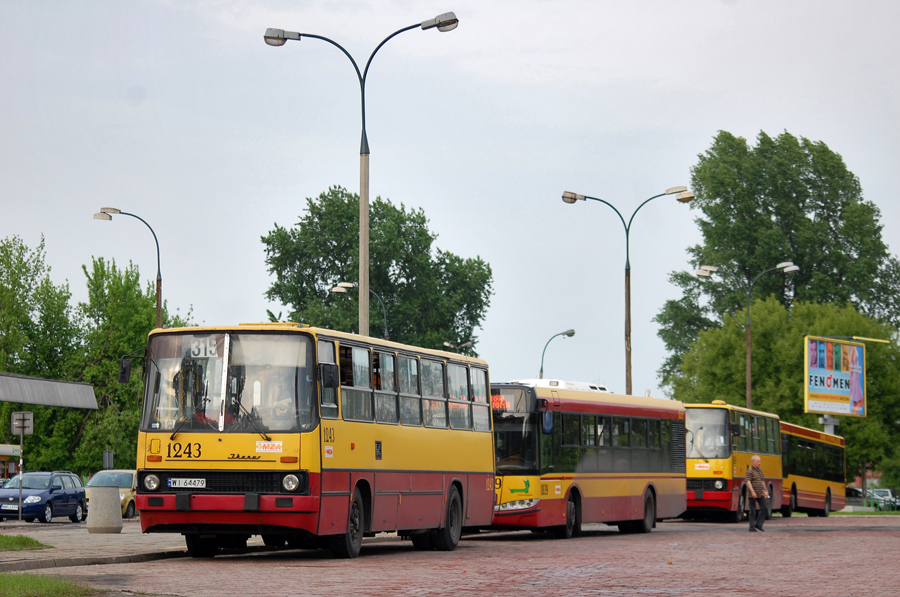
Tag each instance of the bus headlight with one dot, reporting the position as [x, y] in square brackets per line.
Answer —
[151, 482]
[518, 505]
[290, 483]
[719, 484]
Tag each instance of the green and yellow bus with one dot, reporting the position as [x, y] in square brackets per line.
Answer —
[570, 453]
[720, 440]
[310, 437]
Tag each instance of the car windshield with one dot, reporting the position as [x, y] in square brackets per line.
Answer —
[110, 479]
[31, 482]
[229, 382]
[707, 435]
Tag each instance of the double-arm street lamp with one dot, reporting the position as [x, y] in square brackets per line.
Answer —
[342, 288]
[106, 213]
[565, 334]
[278, 37]
[786, 267]
[462, 346]
[683, 195]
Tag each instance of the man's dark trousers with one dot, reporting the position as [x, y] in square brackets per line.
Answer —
[758, 509]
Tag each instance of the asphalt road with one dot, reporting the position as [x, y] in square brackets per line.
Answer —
[837, 556]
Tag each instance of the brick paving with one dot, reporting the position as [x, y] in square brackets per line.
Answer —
[837, 556]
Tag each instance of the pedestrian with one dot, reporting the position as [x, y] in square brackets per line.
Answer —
[756, 481]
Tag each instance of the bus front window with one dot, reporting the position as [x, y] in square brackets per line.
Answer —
[706, 433]
[238, 383]
[515, 431]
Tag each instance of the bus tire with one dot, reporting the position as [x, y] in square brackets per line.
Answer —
[348, 544]
[789, 508]
[573, 520]
[769, 503]
[649, 521]
[738, 515]
[201, 547]
[826, 511]
[447, 537]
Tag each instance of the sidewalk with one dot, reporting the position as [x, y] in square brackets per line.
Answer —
[74, 546]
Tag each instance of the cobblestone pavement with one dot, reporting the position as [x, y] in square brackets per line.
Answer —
[837, 556]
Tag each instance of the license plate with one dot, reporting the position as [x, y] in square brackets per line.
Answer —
[189, 483]
[10, 507]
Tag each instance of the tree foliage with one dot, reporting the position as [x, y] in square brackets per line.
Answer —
[430, 296]
[714, 369]
[786, 199]
[42, 335]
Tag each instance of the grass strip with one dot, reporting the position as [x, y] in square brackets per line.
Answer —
[40, 585]
[20, 542]
[875, 513]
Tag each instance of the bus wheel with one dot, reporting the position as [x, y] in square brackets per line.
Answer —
[827, 510]
[646, 525]
[738, 516]
[573, 523]
[348, 544]
[789, 508]
[447, 538]
[769, 504]
[200, 547]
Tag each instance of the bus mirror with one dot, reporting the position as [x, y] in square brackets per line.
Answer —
[547, 422]
[329, 375]
[542, 404]
[124, 370]
[736, 429]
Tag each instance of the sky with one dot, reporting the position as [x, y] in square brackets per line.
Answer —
[180, 113]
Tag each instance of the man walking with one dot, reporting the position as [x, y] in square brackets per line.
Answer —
[756, 481]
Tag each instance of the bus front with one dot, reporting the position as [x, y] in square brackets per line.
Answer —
[227, 446]
[518, 504]
[710, 474]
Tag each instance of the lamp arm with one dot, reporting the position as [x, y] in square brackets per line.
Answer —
[383, 311]
[642, 205]
[158, 269]
[548, 343]
[750, 289]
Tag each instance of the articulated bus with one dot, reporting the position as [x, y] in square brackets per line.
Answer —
[720, 440]
[568, 454]
[814, 471]
[310, 437]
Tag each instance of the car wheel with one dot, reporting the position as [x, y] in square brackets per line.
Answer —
[48, 513]
[129, 511]
[78, 515]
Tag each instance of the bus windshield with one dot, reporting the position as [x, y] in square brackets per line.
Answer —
[707, 433]
[515, 431]
[229, 383]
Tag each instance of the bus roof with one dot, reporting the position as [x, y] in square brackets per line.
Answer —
[320, 332]
[593, 401]
[812, 434]
[735, 408]
[559, 383]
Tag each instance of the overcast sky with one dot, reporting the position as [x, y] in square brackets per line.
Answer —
[178, 111]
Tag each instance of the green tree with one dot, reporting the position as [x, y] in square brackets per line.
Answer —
[784, 199]
[431, 296]
[713, 369]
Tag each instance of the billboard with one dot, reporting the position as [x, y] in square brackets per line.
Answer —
[835, 374]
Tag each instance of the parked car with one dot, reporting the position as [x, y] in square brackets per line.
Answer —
[885, 499]
[125, 480]
[44, 496]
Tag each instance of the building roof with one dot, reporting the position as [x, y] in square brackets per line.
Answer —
[23, 389]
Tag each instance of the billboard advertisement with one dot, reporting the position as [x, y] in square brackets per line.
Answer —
[835, 374]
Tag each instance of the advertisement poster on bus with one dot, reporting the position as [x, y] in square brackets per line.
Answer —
[835, 373]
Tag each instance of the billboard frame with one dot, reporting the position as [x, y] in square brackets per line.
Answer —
[806, 378]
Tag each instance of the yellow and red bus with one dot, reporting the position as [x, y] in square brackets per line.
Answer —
[569, 454]
[814, 471]
[720, 440]
[310, 437]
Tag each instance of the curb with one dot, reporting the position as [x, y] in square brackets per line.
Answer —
[65, 562]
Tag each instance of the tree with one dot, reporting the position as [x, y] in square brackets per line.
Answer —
[786, 199]
[431, 296]
[713, 369]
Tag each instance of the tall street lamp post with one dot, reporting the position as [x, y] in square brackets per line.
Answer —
[278, 37]
[565, 334]
[786, 267]
[343, 286]
[106, 213]
[683, 195]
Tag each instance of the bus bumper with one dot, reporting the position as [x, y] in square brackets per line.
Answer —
[176, 513]
[706, 500]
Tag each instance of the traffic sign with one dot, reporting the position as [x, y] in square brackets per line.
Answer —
[22, 423]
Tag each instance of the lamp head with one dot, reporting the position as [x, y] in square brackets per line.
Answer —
[339, 289]
[465, 345]
[569, 333]
[275, 37]
[443, 22]
[685, 196]
[569, 197]
[784, 264]
[102, 216]
[674, 190]
[709, 268]
[347, 284]
[702, 273]
[110, 210]
[791, 269]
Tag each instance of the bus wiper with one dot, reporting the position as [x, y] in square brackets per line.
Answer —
[693, 447]
[177, 429]
[252, 422]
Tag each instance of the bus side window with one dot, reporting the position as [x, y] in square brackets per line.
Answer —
[773, 436]
[385, 388]
[459, 407]
[356, 385]
[763, 436]
[434, 394]
[329, 405]
[481, 414]
[410, 403]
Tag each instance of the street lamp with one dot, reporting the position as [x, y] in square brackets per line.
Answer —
[458, 346]
[566, 334]
[278, 37]
[683, 195]
[786, 267]
[106, 213]
[342, 288]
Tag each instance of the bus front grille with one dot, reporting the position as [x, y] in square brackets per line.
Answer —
[224, 482]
